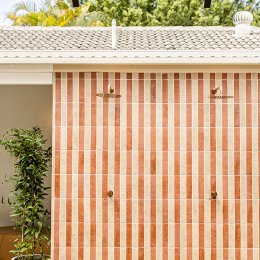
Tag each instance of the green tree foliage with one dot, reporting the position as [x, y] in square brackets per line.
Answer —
[173, 12]
[132, 13]
[60, 13]
[32, 161]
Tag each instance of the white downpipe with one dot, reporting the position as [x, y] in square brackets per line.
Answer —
[114, 36]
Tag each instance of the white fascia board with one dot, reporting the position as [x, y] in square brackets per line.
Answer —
[131, 57]
[32, 68]
[25, 78]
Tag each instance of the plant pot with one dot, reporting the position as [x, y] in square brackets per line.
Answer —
[32, 257]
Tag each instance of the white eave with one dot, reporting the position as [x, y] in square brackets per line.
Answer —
[245, 57]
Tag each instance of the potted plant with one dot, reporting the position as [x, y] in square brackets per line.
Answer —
[32, 162]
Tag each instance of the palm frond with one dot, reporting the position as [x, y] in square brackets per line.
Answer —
[50, 21]
[27, 6]
[45, 5]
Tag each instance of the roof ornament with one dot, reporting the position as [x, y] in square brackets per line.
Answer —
[242, 21]
[114, 36]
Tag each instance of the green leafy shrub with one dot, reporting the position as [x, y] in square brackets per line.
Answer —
[32, 162]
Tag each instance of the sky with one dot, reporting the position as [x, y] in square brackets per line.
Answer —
[5, 6]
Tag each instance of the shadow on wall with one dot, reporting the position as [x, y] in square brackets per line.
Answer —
[22, 107]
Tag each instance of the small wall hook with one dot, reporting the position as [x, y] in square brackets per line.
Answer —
[214, 195]
[109, 194]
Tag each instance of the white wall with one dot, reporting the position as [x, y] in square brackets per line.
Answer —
[23, 107]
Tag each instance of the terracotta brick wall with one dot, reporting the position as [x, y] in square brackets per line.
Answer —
[162, 148]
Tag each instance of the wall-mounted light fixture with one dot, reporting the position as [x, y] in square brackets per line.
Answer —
[216, 93]
[216, 89]
[109, 94]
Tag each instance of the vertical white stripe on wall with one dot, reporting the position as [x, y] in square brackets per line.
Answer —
[87, 90]
[87, 147]
[86, 207]
[195, 204]
[64, 87]
[170, 89]
[74, 233]
[75, 95]
[63, 154]
[231, 187]
[87, 118]
[194, 78]
[207, 171]
[75, 147]
[111, 204]
[171, 219]
[206, 92]
[62, 237]
[147, 188]
[159, 88]
[219, 179]
[219, 188]
[99, 129]
[122, 216]
[123, 119]
[206, 99]
[135, 212]
[111, 122]
[135, 124]
[135, 92]
[159, 138]
[183, 147]
[111, 156]
[243, 156]
[207, 188]
[99, 147]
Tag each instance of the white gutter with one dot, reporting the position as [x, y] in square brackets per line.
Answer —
[131, 57]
